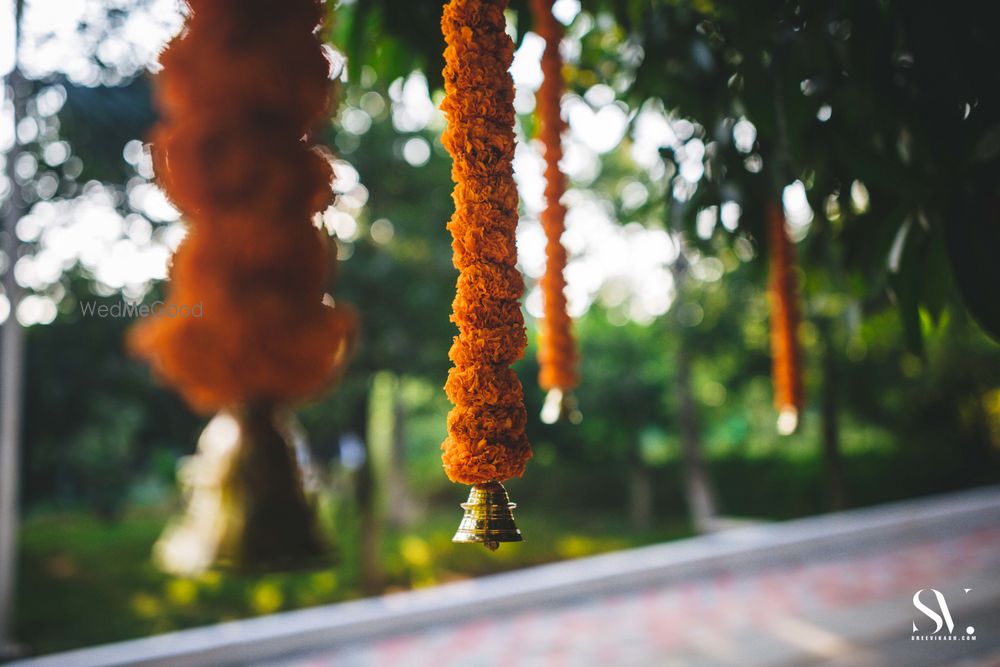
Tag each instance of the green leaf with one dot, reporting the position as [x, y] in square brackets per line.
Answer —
[973, 243]
[907, 286]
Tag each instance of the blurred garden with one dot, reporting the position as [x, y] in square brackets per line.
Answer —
[874, 126]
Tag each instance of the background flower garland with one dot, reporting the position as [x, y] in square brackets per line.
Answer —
[240, 87]
[786, 369]
[486, 439]
[557, 352]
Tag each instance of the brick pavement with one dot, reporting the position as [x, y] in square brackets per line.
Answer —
[832, 590]
[797, 611]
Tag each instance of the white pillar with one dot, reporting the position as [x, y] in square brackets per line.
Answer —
[11, 374]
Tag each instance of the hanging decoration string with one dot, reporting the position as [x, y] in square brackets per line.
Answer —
[239, 89]
[557, 353]
[486, 442]
[786, 358]
[244, 329]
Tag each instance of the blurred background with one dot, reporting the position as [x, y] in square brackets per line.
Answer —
[875, 124]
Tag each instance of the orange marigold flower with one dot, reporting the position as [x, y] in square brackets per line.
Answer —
[789, 396]
[486, 439]
[557, 353]
[240, 86]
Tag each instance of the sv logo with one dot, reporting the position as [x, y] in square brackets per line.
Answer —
[940, 620]
[941, 616]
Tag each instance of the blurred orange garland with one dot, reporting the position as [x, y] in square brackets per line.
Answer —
[789, 397]
[486, 440]
[557, 348]
[240, 87]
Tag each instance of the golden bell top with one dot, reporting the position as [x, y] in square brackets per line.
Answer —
[488, 517]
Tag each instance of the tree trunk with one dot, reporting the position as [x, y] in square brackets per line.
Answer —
[640, 490]
[833, 469]
[402, 510]
[370, 538]
[698, 486]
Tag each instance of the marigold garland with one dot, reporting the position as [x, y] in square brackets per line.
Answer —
[557, 354]
[240, 87]
[486, 440]
[785, 317]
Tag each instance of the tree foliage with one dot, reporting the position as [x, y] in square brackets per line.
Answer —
[888, 112]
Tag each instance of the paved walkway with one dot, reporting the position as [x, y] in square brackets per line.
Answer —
[853, 609]
[830, 590]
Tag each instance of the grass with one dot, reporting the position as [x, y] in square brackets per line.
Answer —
[86, 581]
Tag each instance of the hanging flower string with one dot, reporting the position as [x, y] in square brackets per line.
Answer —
[240, 87]
[557, 354]
[789, 396]
[486, 440]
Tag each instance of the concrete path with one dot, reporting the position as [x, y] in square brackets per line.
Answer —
[831, 590]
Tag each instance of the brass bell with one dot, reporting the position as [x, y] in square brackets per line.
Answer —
[488, 517]
[249, 502]
[560, 405]
[788, 420]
